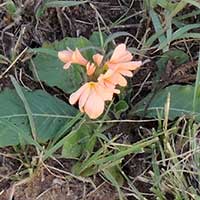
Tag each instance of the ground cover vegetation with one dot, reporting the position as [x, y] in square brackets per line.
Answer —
[99, 99]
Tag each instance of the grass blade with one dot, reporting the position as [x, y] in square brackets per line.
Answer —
[56, 146]
[58, 4]
[114, 36]
[197, 86]
[27, 107]
[47, 51]
[193, 2]
[157, 25]
[184, 29]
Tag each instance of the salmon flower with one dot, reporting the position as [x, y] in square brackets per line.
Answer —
[75, 57]
[71, 57]
[105, 76]
[120, 65]
[91, 98]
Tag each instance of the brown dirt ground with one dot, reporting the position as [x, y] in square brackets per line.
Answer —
[55, 24]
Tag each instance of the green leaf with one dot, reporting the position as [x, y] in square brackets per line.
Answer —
[120, 107]
[158, 26]
[26, 106]
[64, 3]
[57, 141]
[179, 7]
[166, 4]
[178, 56]
[49, 115]
[101, 159]
[95, 38]
[116, 174]
[11, 7]
[52, 3]
[193, 2]
[48, 52]
[113, 175]
[189, 35]
[181, 103]
[184, 29]
[76, 141]
[197, 86]
[114, 36]
[180, 34]
[4, 60]
[50, 69]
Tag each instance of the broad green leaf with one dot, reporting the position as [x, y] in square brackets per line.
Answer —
[76, 141]
[57, 141]
[181, 103]
[20, 93]
[49, 115]
[96, 40]
[50, 69]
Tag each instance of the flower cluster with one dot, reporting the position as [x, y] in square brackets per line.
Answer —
[92, 95]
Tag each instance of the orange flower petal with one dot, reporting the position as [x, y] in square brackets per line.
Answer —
[130, 65]
[94, 106]
[90, 68]
[117, 78]
[77, 58]
[126, 73]
[120, 54]
[83, 98]
[106, 79]
[105, 93]
[65, 56]
[74, 97]
[67, 65]
[97, 58]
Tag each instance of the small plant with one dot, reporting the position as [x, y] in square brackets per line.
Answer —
[104, 75]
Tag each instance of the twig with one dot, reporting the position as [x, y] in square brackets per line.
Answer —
[13, 63]
[142, 85]
[59, 15]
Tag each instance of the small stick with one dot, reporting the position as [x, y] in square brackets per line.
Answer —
[13, 63]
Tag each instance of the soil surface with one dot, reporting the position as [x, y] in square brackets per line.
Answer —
[52, 180]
